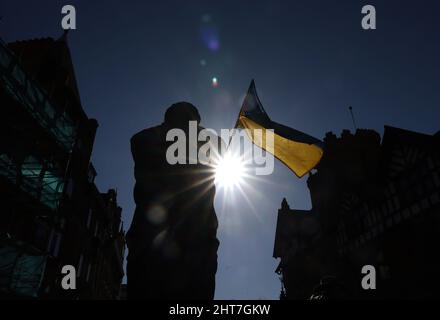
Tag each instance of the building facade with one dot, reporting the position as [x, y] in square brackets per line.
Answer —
[374, 202]
[52, 213]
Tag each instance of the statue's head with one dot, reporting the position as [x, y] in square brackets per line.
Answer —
[180, 113]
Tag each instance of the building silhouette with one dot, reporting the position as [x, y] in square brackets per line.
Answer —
[373, 203]
[52, 213]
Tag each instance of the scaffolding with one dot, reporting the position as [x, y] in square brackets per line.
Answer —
[40, 179]
[21, 269]
[33, 98]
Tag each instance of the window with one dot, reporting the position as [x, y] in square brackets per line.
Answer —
[392, 188]
[404, 183]
[434, 198]
[415, 209]
[436, 179]
[430, 163]
[390, 206]
[80, 264]
[409, 196]
[384, 210]
[54, 243]
[429, 183]
[384, 272]
[96, 228]
[425, 204]
[381, 228]
[89, 268]
[41, 236]
[56, 248]
[397, 218]
[79, 144]
[69, 188]
[389, 222]
[89, 218]
[62, 223]
[419, 190]
[369, 222]
[378, 216]
[406, 213]
[396, 202]
[373, 216]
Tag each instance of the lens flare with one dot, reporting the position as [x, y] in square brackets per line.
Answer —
[229, 171]
[215, 82]
[210, 37]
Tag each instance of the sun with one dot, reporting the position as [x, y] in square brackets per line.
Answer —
[229, 171]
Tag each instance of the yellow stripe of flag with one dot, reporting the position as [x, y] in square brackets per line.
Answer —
[297, 156]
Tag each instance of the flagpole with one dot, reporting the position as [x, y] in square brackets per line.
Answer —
[230, 138]
[352, 117]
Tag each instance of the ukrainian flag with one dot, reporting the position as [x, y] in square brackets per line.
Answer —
[297, 150]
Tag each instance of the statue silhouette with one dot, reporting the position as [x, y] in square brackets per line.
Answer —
[172, 239]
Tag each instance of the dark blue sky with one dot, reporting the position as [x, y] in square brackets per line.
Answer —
[310, 60]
